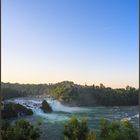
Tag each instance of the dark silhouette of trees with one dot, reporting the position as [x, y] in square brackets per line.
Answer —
[68, 92]
[108, 130]
[21, 130]
[116, 130]
[78, 130]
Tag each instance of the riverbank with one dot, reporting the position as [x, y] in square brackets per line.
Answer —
[52, 123]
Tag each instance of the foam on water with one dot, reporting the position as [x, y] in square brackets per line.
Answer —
[135, 116]
[57, 106]
[35, 105]
[62, 112]
[49, 116]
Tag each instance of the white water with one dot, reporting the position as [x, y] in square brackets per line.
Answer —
[56, 106]
[36, 103]
[135, 116]
[62, 112]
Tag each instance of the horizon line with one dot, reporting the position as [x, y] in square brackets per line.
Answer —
[68, 81]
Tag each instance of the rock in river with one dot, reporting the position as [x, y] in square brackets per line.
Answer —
[12, 110]
[46, 107]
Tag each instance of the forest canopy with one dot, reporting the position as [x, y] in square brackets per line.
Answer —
[69, 93]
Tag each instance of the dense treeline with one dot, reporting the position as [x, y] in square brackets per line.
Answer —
[94, 95]
[70, 93]
[109, 97]
[7, 93]
[30, 89]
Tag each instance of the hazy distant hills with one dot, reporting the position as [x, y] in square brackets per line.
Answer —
[69, 93]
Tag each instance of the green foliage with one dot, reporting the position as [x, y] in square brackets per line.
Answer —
[39, 123]
[21, 130]
[116, 130]
[116, 97]
[4, 124]
[7, 93]
[62, 90]
[91, 136]
[109, 130]
[78, 130]
[71, 93]
[26, 89]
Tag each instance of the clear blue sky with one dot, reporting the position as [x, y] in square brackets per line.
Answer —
[85, 41]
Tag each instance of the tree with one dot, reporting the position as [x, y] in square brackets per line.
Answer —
[116, 130]
[91, 136]
[78, 130]
[21, 130]
[102, 86]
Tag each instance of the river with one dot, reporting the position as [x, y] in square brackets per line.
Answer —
[52, 124]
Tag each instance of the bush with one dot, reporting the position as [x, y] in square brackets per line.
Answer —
[116, 130]
[91, 136]
[109, 130]
[77, 130]
[21, 130]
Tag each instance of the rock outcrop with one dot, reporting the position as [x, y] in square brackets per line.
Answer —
[46, 107]
[12, 110]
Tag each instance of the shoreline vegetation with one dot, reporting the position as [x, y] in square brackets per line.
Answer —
[74, 129]
[72, 94]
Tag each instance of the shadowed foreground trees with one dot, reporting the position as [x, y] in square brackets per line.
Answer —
[21, 130]
[78, 130]
[109, 130]
[74, 129]
[116, 130]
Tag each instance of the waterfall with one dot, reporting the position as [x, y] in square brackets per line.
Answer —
[35, 104]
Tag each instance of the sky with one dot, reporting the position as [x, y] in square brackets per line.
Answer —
[84, 41]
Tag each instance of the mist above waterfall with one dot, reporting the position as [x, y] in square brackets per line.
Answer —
[36, 103]
[62, 112]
